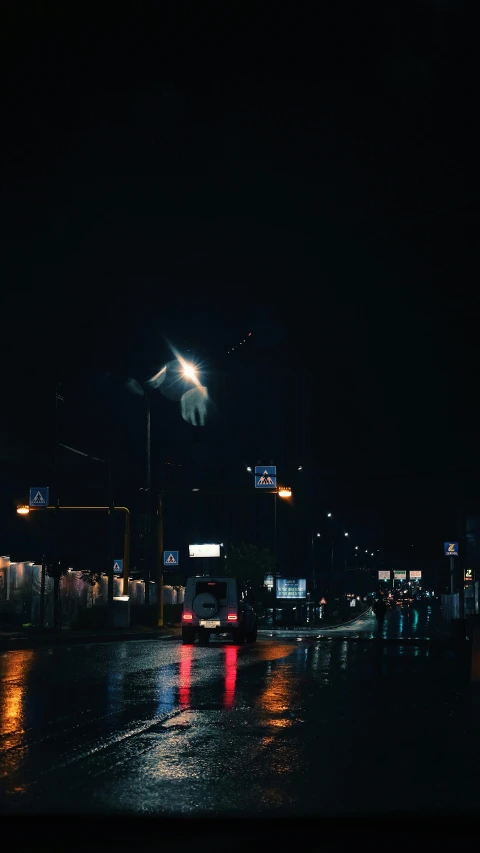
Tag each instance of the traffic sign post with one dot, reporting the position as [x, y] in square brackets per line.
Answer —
[118, 567]
[450, 549]
[170, 559]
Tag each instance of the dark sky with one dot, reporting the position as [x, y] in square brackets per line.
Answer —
[314, 178]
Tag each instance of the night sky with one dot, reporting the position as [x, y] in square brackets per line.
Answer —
[311, 181]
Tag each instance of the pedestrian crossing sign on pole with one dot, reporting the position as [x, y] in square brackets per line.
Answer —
[39, 496]
[170, 559]
[118, 567]
[265, 476]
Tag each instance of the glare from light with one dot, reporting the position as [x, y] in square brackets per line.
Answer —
[284, 492]
[195, 490]
[23, 510]
[189, 370]
[319, 534]
[356, 547]
[300, 468]
[371, 554]
[329, 514]
[248, 468]
[345, 534]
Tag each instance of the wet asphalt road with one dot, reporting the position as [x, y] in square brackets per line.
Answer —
[287, 726]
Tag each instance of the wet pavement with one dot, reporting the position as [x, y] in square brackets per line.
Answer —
[408, 624]
[296, 726]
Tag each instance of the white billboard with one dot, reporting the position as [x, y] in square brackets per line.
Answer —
[415, 574]
[384, 575]
[204, 550]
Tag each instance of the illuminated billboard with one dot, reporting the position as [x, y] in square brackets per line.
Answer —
[204, 550]
[415, 575]
[384, 575]
[292, 588]
[400, 575]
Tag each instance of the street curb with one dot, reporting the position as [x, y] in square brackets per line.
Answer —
[44, 640]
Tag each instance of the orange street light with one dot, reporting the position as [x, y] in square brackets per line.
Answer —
[284, 492]
[23, 510]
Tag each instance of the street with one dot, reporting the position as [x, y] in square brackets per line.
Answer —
[296, 726]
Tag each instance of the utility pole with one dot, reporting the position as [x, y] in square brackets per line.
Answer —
[42, 592]
[56, 556]
[148, 505]
[110, 555]
[160, 563]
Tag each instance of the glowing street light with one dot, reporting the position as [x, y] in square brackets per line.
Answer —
[249, 468]
[284, 492]
[356, 547]
[23, 510]
[329, 514]
[189, 370]
[319, 534]
[345, 534]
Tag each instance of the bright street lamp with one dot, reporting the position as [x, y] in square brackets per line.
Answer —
[248, 468]
[23, 510]
[319, 534]
[329, 514]
[345, 534]
[284, 492]
[188, 370]
[356, 547]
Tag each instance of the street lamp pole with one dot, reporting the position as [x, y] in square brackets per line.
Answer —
[148, 483]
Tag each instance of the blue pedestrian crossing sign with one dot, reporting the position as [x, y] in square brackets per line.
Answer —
[39, 496]
[118, 567]
[451, 549]
[265, 476]
[170, 559]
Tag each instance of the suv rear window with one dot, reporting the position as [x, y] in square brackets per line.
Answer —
[216, 588]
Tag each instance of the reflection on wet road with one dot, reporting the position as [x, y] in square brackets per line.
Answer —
[294, 727]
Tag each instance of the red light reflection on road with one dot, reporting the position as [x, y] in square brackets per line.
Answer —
[231, 653]
[185, 678]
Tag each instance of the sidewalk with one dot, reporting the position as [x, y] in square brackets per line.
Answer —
[31, 638]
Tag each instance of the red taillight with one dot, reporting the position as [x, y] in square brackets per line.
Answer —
[232, 617]
[187, 616]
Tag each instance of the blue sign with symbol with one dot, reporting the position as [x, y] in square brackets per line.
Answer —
[118, 567]
[170, 559]
[451, 549]
[265, 476]
[39, 496]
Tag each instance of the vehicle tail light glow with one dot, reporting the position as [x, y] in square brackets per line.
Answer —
[187, 616]
[232, 617]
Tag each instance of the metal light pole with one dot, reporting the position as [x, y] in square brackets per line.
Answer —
[160, 563]
[148, 483]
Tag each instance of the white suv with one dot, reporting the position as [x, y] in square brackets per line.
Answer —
[215, 605]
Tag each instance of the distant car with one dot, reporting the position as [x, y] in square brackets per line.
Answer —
[215, 605]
